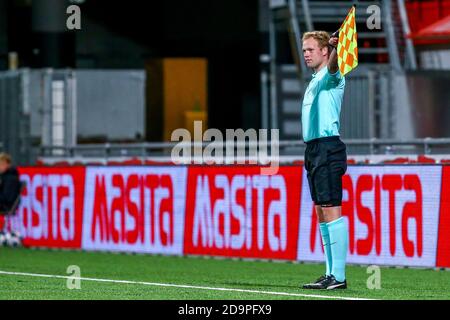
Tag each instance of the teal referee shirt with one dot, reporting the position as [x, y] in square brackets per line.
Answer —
[322, 105]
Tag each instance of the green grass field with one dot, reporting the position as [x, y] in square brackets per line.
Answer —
[258, 276]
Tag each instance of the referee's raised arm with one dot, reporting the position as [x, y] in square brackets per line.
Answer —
[333, 66]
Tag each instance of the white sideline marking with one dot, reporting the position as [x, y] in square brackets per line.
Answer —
[179, 286]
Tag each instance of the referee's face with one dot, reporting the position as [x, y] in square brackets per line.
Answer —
[314, 55]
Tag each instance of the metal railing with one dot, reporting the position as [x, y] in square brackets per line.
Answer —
[162, 151]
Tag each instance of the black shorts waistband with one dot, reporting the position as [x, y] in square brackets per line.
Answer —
[324, 139]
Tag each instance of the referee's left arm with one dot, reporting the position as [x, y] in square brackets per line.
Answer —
[333, 66]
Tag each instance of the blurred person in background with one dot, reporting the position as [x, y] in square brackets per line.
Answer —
[9, 183]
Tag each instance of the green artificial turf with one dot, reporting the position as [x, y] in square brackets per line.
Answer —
[215, 273]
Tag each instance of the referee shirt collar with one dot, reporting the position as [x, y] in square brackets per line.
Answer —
[324, 68]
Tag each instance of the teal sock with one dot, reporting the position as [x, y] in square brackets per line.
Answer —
[326, 245]
[339, 245]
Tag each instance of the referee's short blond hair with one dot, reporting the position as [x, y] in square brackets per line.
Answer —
[5, 157]
[322, 37]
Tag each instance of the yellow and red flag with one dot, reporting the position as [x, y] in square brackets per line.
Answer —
[348, 44]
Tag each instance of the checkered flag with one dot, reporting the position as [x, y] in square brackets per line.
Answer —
[348, 44]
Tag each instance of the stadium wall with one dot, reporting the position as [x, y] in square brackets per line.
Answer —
[398, 215]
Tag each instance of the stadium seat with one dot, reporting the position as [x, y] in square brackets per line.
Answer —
[157, 163]
[129, 162]
[397, 161]
[425, 159]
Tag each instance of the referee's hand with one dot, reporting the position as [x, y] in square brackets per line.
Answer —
[333, 42]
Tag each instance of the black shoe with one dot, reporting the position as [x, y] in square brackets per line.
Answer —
[333, 284]
[320, 284]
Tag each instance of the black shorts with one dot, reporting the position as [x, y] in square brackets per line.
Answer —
[326, 163]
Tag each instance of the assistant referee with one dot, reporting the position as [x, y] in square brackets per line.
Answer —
[325, 155]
